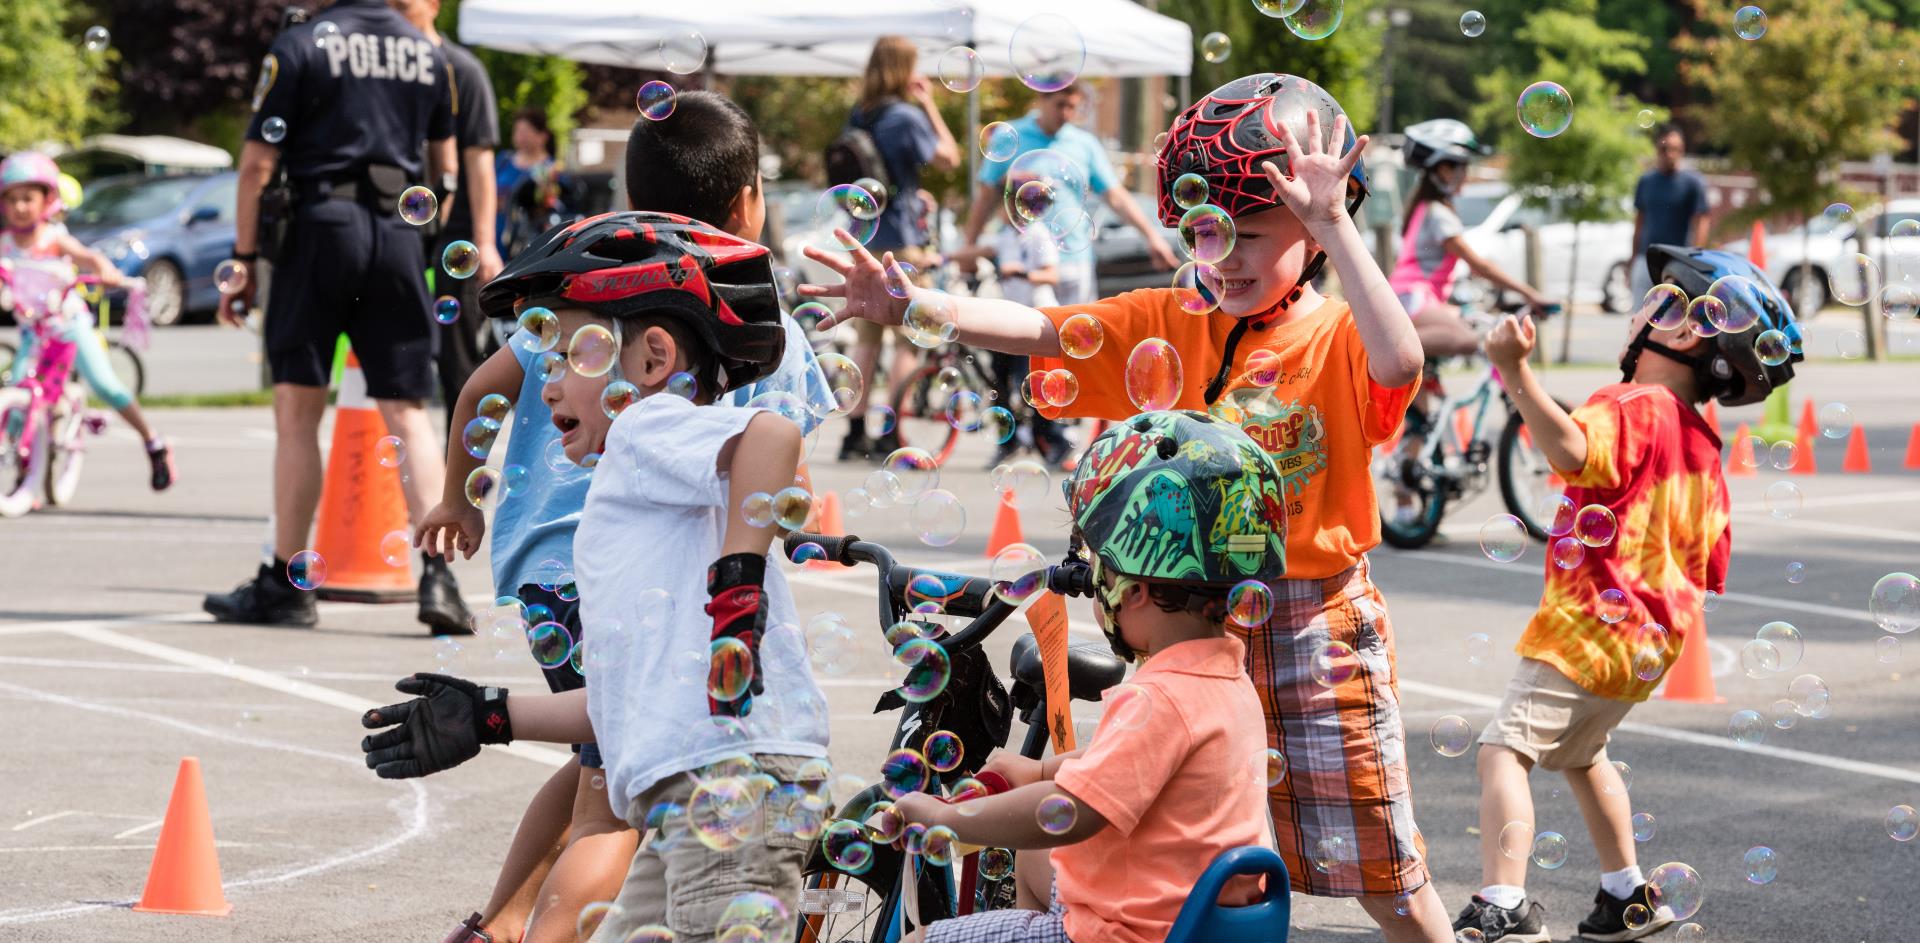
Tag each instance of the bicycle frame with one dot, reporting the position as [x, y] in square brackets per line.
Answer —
[1479, 401]
[47, 376]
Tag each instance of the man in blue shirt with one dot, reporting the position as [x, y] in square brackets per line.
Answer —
[1669, 206]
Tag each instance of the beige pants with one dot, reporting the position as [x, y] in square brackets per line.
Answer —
[681, 883]
[1552, 721]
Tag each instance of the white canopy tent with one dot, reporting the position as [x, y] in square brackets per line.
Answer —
[829, 37]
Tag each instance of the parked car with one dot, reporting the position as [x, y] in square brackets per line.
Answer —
[110, 155]
[1496, 218]
[171, 231]
[1827, 247]
[1120, 258]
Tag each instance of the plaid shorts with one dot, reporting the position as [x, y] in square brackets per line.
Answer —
[1004, 926]
[1343, 812]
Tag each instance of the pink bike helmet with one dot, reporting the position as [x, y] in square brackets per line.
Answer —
[32, 167]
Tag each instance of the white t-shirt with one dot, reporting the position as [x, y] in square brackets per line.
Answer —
[1029, 250]
[654, 519]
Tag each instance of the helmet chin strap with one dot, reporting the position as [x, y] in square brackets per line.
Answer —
[1218, 384]
[1643, 342]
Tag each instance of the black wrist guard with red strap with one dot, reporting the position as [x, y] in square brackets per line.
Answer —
[739, 610]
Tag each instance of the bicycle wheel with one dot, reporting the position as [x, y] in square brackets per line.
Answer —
[128, 367]
[1527, 480]
[66, 454]
[920, 410]
[1411, 501]
[20, 461]
[838, 907]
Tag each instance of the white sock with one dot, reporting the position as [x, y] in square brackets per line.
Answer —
[156, 443]
[1507, 896]
[1622, 882]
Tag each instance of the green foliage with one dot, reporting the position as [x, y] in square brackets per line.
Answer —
[1589, 169]
[1822, 86]
[50, 81]
[1346, 63]
[549, 82]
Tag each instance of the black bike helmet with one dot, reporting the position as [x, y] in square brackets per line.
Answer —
[622, 265]
[1441, 141]
[1732, 369]
[1224, 138]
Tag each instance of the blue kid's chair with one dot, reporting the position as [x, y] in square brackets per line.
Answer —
[1203, 920]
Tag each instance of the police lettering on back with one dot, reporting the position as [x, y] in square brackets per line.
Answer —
[374, 56]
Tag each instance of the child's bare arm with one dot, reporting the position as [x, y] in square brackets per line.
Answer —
[993, 323]
[1008, 820]
[91, 261]
[765, 457]
[455, 525]
[1316, 192]
[551, 718]
[1045, 275]
[1553, 431]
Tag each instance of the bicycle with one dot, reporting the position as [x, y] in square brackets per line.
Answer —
[44, 419]
[1451, 465]
[126, 361]
[838, 906]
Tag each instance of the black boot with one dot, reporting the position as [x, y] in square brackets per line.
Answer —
[267, 599]
[441, 607]
[856, 445]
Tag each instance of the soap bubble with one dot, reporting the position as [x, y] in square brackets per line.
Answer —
[1473, 23]
[273, 130]
[1451, 735]
[1549, 850]
[1895, 603]
[656, 100]
[418, 205]
[1676, 887]
[1316, 19]
[307, 570]
[1763, 864]
[1750, 23]
[961, 70]
[1545, 109]
[1216, 47]
[1503, 538]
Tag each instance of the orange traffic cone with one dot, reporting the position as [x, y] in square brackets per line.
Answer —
[1913, 449]
[1803, 463]
[1857, 461]
[1741, 463]
[1690, 679]
[185, 876]
[360, 503]
[1809, 423]
[1006, 528]
[831, 522]
[1757, 247]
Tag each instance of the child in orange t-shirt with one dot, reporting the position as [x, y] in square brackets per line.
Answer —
[1642, 464]
[1174, 773]
[1317, 382]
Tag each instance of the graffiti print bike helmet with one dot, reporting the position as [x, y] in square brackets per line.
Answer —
[1178, 497]
[1226, 136]
[622, 265]
[1730, 367]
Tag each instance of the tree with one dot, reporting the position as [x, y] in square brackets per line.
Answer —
[50, 78]
[556, 85]
[189, 65]
[1822, 86]
[1588, 170]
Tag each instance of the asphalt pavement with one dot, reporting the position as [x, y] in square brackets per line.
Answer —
[109, 675]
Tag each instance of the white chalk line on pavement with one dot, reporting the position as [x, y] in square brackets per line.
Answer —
[412, 809]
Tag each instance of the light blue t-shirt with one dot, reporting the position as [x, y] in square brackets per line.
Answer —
[535, 523]
[1072, 142]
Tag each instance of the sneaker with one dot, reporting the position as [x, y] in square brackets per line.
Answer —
[161, 458]
[469, 931]
[856, 446]
[441, 607]
[885, 444]
[1526, 923]
[267, 599]
[1608, 922]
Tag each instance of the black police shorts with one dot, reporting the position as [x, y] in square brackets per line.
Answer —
[351, 270]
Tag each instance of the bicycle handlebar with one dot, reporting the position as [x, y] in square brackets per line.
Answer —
[969, 597]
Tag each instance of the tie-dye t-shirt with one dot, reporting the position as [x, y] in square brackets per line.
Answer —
[1655, 463]
[1299, 388]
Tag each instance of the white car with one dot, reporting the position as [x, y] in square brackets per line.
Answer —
[1829, 248]
[1496, 218]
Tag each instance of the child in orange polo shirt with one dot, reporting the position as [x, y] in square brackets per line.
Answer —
[1175, 770]
[1641, 462]
[1263, 175]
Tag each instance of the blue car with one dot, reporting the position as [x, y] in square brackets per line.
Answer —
[171, 231]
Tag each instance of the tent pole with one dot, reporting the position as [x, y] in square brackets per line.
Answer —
[1186, 92]
[972, 146]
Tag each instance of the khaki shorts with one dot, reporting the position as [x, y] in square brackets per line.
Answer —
[686, 885]
[1552, 721]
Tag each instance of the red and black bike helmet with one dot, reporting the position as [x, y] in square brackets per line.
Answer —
[1226, 136]
[622, 265]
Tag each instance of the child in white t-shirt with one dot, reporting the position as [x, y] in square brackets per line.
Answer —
[688, 702]
[1028, 263]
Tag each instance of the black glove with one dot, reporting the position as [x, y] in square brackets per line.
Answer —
[739, 610]
[442, 728]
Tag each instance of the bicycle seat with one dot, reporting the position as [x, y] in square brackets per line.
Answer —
[1204, 920]
[1092, 667]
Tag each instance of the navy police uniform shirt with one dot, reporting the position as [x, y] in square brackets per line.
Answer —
[357, 85]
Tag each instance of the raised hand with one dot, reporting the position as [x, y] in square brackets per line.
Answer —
[1511, 341]
[1314, 186]
[863, 285]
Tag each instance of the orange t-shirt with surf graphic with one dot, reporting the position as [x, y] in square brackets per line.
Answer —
[1299, 388]
[1655, 463]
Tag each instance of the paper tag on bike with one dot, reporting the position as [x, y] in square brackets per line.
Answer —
[1047, 616]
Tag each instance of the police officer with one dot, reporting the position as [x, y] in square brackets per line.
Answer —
[349, 104]
[476, 132]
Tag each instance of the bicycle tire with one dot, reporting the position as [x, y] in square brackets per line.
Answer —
[65, 457]
[1411, 531]
[913, 400]
[128, 366]
[1516, 450]
[878, 882]
[20, 463]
